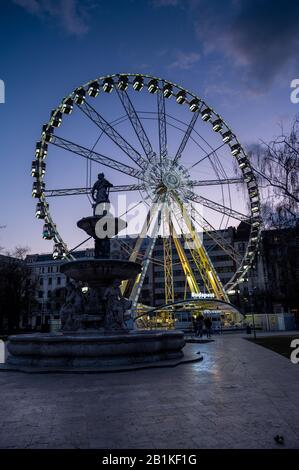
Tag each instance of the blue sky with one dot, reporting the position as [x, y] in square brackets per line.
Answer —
[240, 56]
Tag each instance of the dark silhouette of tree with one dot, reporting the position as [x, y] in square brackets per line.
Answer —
[276, 165]
[17, 291]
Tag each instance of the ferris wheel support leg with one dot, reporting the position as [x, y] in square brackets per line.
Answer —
[168, 268]
[201, 258]
[192, 283]
[149, 218]
[140, 278]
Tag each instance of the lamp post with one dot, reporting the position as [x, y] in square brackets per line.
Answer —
[252, 312]
[253, 321]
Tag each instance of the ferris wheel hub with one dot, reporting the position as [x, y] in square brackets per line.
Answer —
[163, 176]
[171, 180]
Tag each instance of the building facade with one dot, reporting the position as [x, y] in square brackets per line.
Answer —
[269, 288]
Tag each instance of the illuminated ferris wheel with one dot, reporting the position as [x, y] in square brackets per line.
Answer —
[170, 150]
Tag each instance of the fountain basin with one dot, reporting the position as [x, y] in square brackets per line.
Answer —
[88, 224]
[100, 271]
[94, 350]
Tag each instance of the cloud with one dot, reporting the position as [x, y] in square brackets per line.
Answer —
[71, 15]
[259, 37]
[185, 60]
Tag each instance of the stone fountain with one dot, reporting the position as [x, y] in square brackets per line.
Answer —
[94, 326]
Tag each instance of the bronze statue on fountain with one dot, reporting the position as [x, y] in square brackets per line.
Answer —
[100, 195]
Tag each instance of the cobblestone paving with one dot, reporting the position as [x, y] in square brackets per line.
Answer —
[240, 396]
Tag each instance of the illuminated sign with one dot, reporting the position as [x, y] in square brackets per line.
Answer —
[202, 295]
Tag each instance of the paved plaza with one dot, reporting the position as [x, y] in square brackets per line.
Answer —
[240, 396]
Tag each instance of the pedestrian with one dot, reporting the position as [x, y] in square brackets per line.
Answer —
[199, 325]
[208, 326]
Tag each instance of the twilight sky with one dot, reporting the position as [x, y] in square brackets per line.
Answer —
[240, 56]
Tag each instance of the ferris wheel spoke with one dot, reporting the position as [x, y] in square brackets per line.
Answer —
[208, 155]
[215, 206]
[79, 191]
[186, 137]
[154, 214]
[218, 182]
[136, 123]
[112, 133]
[95, 156]
[80, 244]
[162, 124]
[210, 230]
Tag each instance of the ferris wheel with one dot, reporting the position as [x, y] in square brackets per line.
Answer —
[171, 151]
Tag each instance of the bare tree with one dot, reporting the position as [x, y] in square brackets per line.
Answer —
[17, 290]
[276, 165]
[20, 252]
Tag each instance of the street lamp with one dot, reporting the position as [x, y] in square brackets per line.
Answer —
[252, 312]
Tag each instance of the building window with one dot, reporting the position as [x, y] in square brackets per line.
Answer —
[220, 258]
[49, 294]
[40, 294]
[50, 281]
[158, 252]
[178, 272]
[160, 296]
[58, 280]
[159, 285]
[159, 274]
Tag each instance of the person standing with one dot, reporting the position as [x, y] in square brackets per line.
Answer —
[199, 325]
[208, 326]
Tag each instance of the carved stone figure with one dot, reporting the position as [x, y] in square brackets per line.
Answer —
[116, 307]
[72, 308]
[93, 303]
